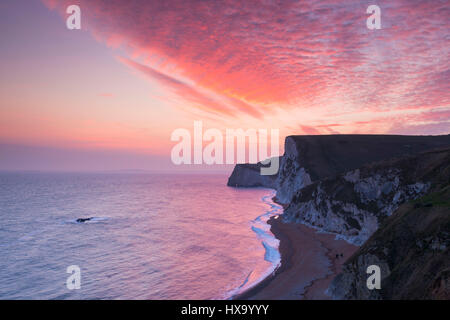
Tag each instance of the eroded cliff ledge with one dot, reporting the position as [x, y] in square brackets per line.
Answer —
[354, 204]
[411, 247]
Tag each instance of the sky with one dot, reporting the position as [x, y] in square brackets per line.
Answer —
[108, 96]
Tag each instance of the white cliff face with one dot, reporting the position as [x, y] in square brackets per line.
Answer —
[338, 184]
[322, 188]
[379, 187]
[349, 222]
[353, 205]
[291, 177]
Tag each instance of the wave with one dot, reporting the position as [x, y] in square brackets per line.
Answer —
[272, 255]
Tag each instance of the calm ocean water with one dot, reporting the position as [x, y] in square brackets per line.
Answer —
[153, 236]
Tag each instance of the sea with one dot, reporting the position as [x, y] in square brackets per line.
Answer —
[148, 236]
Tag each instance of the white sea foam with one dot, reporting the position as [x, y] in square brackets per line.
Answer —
[272, 254]
[269, 242]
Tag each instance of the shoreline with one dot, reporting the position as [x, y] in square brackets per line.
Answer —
[262, 229]
[309, 261]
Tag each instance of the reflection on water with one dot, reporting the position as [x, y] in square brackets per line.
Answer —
[151, 236]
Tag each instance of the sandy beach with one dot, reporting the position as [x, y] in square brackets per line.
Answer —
[309, 261]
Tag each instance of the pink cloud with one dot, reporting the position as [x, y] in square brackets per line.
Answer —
[200, 100]
[291, 54]
[309, 130]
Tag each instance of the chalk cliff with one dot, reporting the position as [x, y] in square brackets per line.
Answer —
[362, 187]
[354, 204]
[308, 159]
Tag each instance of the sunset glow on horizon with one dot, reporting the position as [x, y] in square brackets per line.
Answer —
[138, 70]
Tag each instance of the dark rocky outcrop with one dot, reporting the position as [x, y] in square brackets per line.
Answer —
[412, 249]
[354, 204]
[250, 173]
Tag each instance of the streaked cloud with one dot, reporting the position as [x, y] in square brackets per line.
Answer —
[200, 100]
[255, 57]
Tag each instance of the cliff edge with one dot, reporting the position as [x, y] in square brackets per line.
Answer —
[307, 159]
[389, 194]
